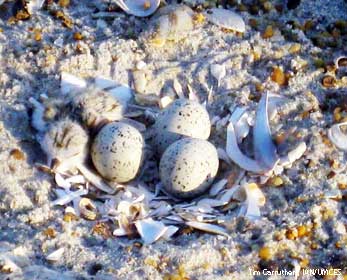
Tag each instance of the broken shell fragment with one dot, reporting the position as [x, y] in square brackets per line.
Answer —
[226, 19]
[236, 155]
[265, 151]
[218, 72]
[70, 83]
[87, 209]
[55, 255]
[341, 62]
[208, 228]
[139, 8]
[173, 24]
[337, 137]
[150, 230]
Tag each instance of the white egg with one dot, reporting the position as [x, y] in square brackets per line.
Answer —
[117, 152]
[181, 118]
[188, 167]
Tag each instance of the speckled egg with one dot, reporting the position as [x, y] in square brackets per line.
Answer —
[117, 152]
[188, 167]
[181, 118]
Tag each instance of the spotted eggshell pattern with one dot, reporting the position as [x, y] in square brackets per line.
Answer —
[188, 167]
[117, 152]
[181, 118]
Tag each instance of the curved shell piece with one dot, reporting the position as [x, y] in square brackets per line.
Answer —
[139, 8]
[237, 156]
[341, 62]
[226, 19]
[87, 209]
[337, 137]
[265, 151]
[173, 24]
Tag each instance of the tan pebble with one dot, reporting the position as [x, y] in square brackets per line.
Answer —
[278, 76]
[328, 81]
[17, 154]
[265, 253]
[295, 48]
[268, 33]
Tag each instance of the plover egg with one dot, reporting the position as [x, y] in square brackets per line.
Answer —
[188, 167]
[117, 152]
[181, 118]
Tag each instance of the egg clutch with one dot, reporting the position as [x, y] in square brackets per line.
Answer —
[91, 124]
[188, 162]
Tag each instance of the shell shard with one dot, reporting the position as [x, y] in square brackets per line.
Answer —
[337, 137]
[236, 155]
[218, 72]
[239, 118]
[226, 19]
[173, 23]
[265, 151]
[254, 199]
[69, 197]
[139, 8]
[150, 230]
[95, 180]
[55, 255]
[70, 83]
[217, 187]
[208, 228]
[294, 154]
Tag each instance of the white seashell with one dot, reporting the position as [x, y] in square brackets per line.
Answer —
[237, 156]
[341, 62]
[69, 197]
[150, 230]
[34, 5]
[218, 72]
[61, 182]
[217, 187]
[265, 151]
[210, 203]
[178, 88]
[139, 8]
[55, 255]
[37, 119]
[95, 180]
[223, 155]
[165, 101]
[226, 19]
[77, 179]
[240, 118]
[104, 82]
[140, 65]
[87, 209]
[192, 94]
[208, 228]
[294, 154]
[122, 93]
[174, 23]
[70, 83]
[254, 199]
[337, 137]
[171, 230]
[162, 210]
[140, 81]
